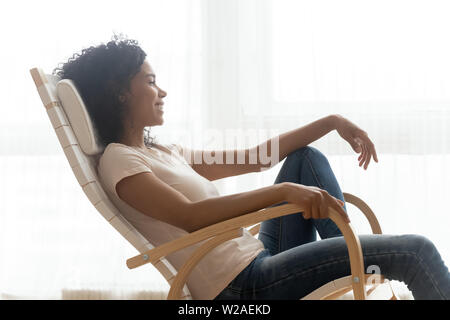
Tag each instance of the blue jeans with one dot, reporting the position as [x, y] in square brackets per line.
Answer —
[294, 264]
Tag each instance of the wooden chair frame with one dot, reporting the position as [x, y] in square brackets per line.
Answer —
[83, 167]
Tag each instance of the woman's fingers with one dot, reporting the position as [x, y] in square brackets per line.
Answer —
[374, 152]
[324, 210]
[361, 156]
[364, 158]
[368, 156]
[320, 207]
[364, 154]
[315, 214]
[367, 152]
[336, 206]
[307, 213]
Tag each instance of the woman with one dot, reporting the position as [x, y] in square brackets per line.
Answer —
[165, 195]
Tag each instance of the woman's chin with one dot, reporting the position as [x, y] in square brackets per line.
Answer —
[161, 117]
[157, 120]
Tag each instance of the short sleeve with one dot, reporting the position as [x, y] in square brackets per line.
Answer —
[119, 162]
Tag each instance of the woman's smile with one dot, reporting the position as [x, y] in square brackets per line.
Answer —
[159, 106]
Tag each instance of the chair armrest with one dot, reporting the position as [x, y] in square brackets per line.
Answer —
[255, 229]
[352, 241]
[357, 202]
[153, 255]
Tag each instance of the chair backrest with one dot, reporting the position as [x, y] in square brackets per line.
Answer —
[77, 136]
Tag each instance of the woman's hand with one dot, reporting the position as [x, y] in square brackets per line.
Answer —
[358, 139]
[316, 201]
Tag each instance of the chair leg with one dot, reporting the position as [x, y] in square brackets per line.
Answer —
[339, 287]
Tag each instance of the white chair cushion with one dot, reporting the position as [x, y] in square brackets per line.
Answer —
[79, 117]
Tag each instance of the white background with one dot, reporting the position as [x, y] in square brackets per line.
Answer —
[270, 65]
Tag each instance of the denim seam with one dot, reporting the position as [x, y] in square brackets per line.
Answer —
[423, 265]
[279, 234]
[305, 150]
[331, 262]
[313, 171]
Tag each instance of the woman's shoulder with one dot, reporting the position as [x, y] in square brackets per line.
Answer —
[114, 152]
[118, 157]
[113, 148]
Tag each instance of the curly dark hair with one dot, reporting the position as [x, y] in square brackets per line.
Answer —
[101, 74]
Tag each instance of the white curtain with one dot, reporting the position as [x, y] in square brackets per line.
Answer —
[53, 243]
[259, 66]
[384, 65]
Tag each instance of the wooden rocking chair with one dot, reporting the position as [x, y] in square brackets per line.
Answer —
[77, 137]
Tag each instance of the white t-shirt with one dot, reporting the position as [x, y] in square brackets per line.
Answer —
[222, 264]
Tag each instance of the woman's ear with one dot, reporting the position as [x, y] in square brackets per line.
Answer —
[123, 96]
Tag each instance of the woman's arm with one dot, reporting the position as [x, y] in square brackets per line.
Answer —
[256, 158]
[153, 197]
[315, 201]
[287, 142]
[227, 163]
[295, 139]
[217, 209]
[148, 194]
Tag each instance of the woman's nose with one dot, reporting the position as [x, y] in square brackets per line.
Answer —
[162, 93]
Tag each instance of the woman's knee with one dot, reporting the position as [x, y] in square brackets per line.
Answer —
[417, 246]
[421, 246]
[308, 151]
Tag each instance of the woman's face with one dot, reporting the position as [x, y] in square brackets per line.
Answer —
[145, 98]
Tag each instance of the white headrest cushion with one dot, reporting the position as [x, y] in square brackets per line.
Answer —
[78, 117]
